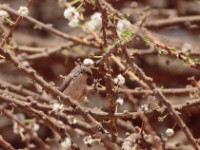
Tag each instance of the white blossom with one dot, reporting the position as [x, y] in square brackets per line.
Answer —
[96, 16]
[95, 21]
[119, 80]
[186, 47]
[17, 129]
[123, 25]
[88, 62]
[144, 107]
[74, 121]
[66, 144]
[74, 22]
[3, 14]
[23, 11]
[57, 107]
[120, 101]
[72, 15]
[36, 127]
[71, 119]
[88, 140]
[169, 132]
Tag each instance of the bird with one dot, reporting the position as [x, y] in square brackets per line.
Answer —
[75, 83]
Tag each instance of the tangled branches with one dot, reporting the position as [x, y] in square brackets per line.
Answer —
[113, 52]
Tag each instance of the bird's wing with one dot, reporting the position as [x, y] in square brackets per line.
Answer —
[65, 83]
[73, 74]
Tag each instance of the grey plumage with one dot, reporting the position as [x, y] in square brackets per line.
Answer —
[75, 83]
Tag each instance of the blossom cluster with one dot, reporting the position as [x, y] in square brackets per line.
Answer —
[72, 15]
[119, 80]
[3, 14]
[95, 21]
[23, 11]
[123, 25]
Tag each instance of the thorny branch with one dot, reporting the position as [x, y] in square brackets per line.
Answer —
[118, 107]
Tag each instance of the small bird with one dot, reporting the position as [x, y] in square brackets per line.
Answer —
[75, 83]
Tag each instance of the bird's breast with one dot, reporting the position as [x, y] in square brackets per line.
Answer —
[76, 88]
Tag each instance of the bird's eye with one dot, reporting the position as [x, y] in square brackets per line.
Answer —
[89, 73]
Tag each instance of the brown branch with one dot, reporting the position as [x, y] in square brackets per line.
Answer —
[130, 73]
[5, 144]
[65, 99]
[106, 74]
[50, 29]
[137, 141]
[47, 109]
[168, 22]
[34, 136]
[147, 126]
[97, 114]
[18, 20]
[171, 50]
[149, 81]
[141, 92]
[61, 129]
[24, 106]
[23, 91]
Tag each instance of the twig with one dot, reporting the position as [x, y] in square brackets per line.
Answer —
[50, 28]
[34, 136]
[65, 99]
[5, 144]
[168, 22]
[18, 20]
[149, 82]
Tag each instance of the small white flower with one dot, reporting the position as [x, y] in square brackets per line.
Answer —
[57, 107]
[96, 16]
[36, 127]
[186, 47]
[66, 144]
[123, 25]
[169, 132]
[95, 21]
[120, 101]
[74, 121]
[144, 107]
[23, 11]
[17, 129]
[88, 140]
[119, 80]
[71, 13]
[88, 62]
[71, 119]
[74, 22]
[3, 14]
